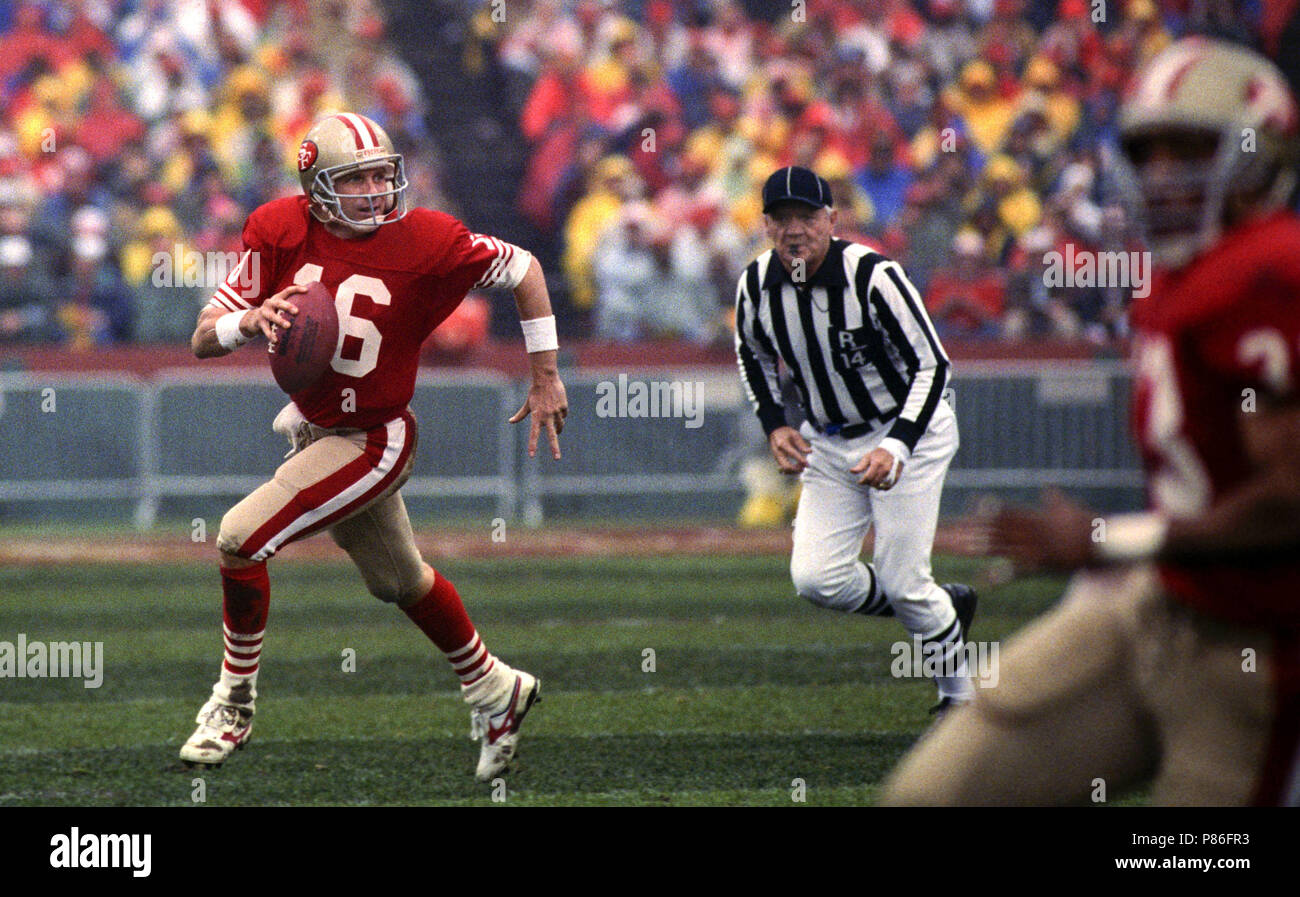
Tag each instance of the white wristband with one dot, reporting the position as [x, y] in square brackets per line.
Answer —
[1132, 537]
[228, 333]
[539, 334]
[896, 448]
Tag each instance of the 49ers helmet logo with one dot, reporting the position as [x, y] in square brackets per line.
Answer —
[306, 155]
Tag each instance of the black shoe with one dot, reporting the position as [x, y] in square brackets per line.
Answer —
[945, 705]
[964, 601]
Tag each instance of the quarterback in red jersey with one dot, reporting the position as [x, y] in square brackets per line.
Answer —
[1175, 655]
[395, 273]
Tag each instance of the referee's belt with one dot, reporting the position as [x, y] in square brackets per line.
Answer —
[853, 431]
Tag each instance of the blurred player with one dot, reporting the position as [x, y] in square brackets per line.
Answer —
[850, 328]
[1176, 655]
[395, 275]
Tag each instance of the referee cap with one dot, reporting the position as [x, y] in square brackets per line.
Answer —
[798, 184]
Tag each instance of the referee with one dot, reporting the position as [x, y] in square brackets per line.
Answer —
[851, 330]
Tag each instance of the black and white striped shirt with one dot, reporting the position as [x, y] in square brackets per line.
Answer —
[855, 338]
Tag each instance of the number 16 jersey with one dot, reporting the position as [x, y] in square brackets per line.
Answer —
[391, 288]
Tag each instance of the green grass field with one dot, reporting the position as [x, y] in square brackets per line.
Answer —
[751, 687]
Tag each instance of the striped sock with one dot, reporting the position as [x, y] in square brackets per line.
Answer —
[472, 662]
[246, 602]
[948, 650]
[876, 604]
[441, 616]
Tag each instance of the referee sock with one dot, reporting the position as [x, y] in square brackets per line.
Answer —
[441, 616]
[875, 604]
[246, 601]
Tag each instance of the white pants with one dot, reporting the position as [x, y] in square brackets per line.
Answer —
[833, 517]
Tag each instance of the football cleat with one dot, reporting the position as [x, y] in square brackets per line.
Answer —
[223, 729]
[945, 706]
[964, 601]
[499, 729]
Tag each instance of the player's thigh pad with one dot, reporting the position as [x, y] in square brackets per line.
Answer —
[1063, 719]
[1213, 689]
[380, 542]
[327, 481]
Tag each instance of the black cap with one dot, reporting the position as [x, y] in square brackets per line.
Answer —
[798, 184]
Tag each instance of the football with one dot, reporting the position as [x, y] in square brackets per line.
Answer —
[302, 354]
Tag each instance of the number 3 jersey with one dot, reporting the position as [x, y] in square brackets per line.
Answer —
[391, 289]
[1216, 341]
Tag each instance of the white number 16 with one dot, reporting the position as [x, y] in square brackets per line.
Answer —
[349, 324]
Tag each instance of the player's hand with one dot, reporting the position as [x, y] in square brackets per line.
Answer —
[1057, 536]
[549, 406]
[879, 469]
[790, 449]
[271, 314]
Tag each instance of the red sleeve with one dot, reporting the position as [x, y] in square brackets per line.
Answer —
[468, 260]
[271, 227]
[1256, 342]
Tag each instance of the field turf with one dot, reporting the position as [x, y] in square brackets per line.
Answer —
[751, 688]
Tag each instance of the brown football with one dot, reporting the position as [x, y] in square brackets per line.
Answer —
[302, 353]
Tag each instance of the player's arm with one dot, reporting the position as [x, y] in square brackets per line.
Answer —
[900, 310]
[480, 261]
[221, 331]
[236, 313]
[757, 359]
[546, 400]
[1259, 520]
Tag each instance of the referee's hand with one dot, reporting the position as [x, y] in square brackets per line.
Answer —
[790, 449]
[879, 469]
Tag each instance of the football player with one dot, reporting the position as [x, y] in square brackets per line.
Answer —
[1174, 657]
[395, 273]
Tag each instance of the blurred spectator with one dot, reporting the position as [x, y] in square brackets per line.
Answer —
[1046, 92]
[628, 277]
[925, 229]
[884, 179]
[694, 82]
[613, 183]
[106, 126]
[155, 266]
[1004, 185]
[96, 308]
[966, 300]
[986, 114]
[77, 187]
[27, 295]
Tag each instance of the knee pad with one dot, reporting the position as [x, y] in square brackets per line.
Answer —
[233, 534]
[391, 586]
[387, 592]
[244, 519]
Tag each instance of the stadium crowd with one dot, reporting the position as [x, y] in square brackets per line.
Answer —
[967, 138]
[139, 130]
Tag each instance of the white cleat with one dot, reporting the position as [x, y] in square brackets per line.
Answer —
[499, 728]
[223, 729]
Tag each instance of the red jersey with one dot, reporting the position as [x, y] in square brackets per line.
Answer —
[391, 288]
[1210, 338]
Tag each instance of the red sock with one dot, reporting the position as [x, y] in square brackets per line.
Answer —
[247, 600]
[441, 616]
